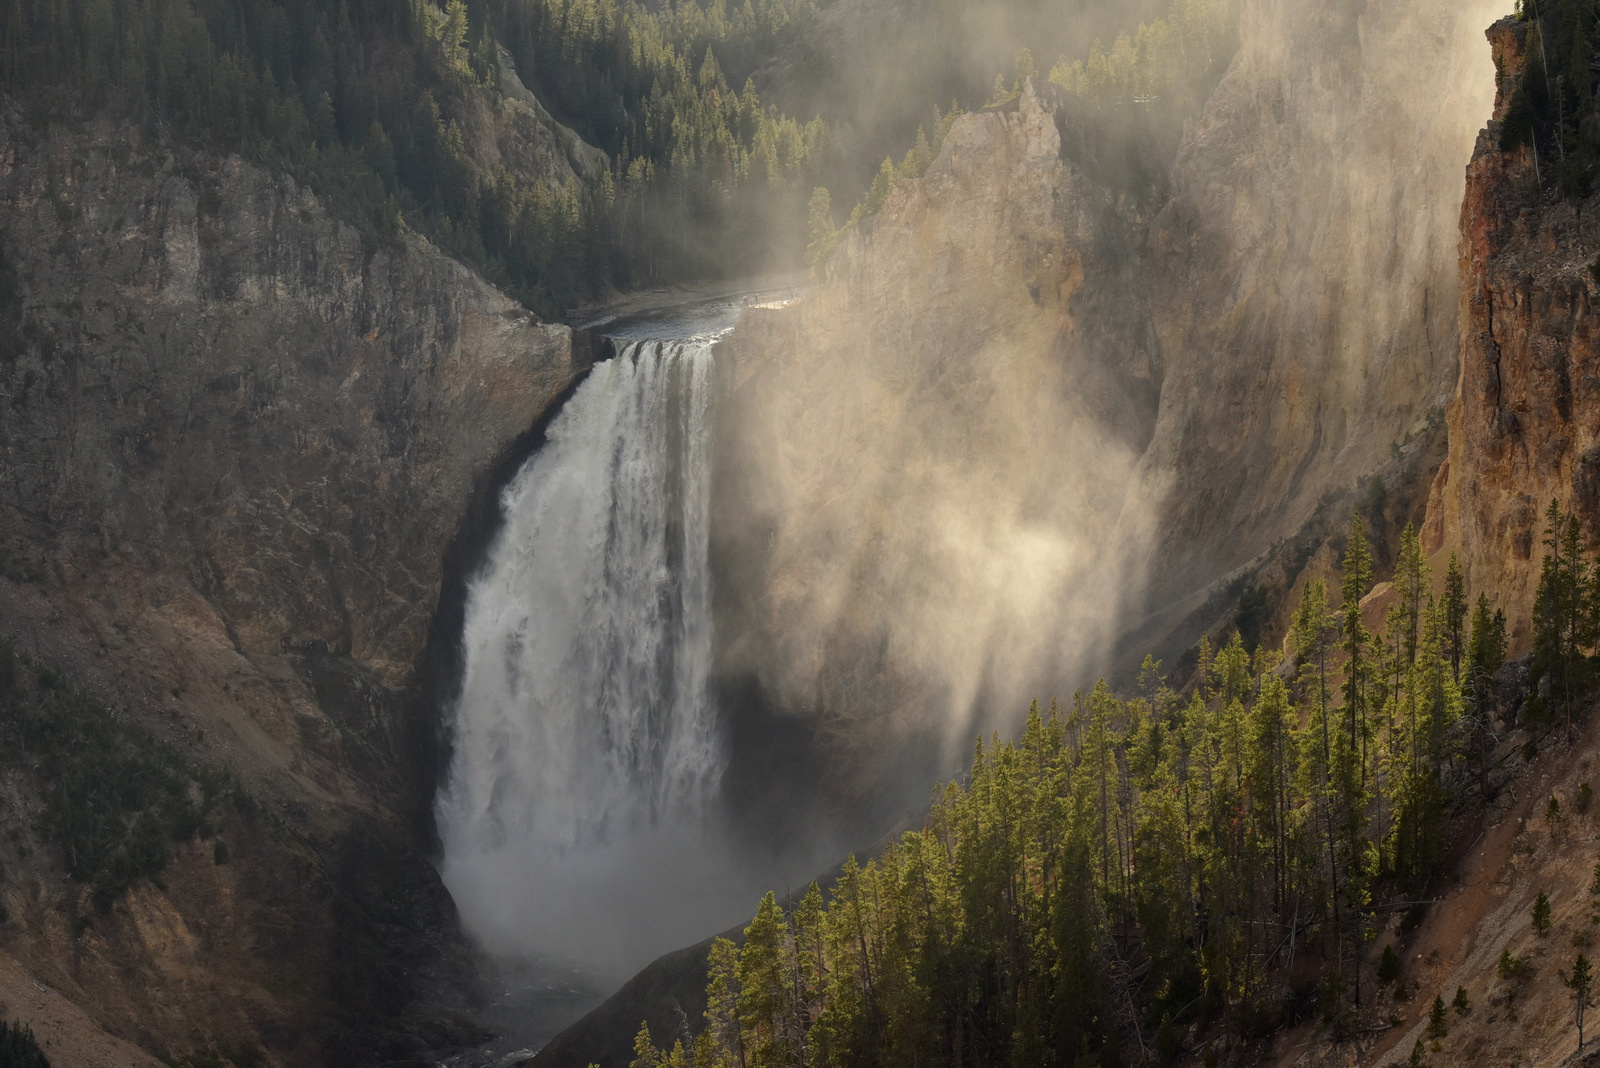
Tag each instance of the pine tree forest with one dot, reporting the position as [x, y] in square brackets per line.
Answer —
[1132, 864]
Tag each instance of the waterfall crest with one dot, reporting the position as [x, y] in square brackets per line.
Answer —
[585, 740]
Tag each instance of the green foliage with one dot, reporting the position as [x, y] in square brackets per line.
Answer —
[1566, 615]
[1169, 1044]
[361, 100]
[115, 798]
[1580, 981]
[824, 234]
[1125, 109]
[1438, 1022]
[1541, 914]
[1455, 615]
[379, 106]
[1513, 970]
[1181, 53]
[1250, 615]
[18, 1047]
[1461, 1003]
[825, 237]
[644, 1053]
[371, 104]
[708, 177]
[1486, 653]
[1388, 966]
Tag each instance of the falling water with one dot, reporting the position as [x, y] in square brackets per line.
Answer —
[575, 820]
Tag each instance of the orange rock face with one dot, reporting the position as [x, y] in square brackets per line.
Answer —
[1525, 421]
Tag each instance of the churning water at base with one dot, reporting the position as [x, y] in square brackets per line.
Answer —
[576, 818]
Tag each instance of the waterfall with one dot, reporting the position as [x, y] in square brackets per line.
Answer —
[574, 820]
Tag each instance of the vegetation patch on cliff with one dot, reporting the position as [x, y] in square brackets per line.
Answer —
[115, 798]
[1553, 106]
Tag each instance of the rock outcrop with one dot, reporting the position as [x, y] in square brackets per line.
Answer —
[922, 463]
[236, 447]
[1525, 424]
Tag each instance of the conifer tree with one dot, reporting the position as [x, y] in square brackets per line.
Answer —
[1196, 840]
[1311, 641]
[1438, 1022]
[765, 987]
[1563, 622]
[1455, 611]
[645, 1054]
[822, 229]
[1486, 652]
[1580, 980]
[722, 999]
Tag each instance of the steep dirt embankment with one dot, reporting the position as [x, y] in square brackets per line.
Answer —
[235, 449]
[1525, 424]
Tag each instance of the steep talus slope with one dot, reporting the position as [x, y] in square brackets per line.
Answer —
[235, 451]
[1488, 912]
[1525, 425]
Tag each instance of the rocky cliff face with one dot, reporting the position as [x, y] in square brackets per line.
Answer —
[235, 449]
[1525, 424]
[922, 464]
[235, 392]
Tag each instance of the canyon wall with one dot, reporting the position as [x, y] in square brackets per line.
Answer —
[236, 447]
[1307, 265]
[922, 464]
[1525, 424]
[237, 395]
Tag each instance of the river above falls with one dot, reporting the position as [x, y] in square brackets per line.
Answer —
[686, 311]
